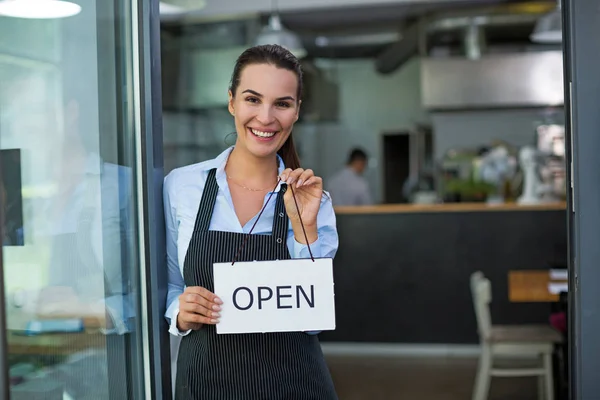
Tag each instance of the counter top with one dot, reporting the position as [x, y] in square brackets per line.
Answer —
[447, 207]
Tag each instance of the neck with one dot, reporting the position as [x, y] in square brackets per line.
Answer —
[251, 170]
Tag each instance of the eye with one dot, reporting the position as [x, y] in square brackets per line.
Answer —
[252, 99]
[283, 104]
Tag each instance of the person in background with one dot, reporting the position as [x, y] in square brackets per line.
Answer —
[348, 187]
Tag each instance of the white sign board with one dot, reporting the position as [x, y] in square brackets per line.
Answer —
[275, 296]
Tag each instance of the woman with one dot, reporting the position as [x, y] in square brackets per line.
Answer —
[210, 208]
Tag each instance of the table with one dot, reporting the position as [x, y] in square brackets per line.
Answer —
[62, 344]
[533, 286]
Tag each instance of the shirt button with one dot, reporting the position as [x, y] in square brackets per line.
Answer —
[281, 214]
[279, 240]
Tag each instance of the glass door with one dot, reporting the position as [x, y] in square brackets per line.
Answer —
[71, 252]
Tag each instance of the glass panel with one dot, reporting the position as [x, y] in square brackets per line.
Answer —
[70, 260]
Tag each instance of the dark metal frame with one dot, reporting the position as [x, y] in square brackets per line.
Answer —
[154, 231]
[581, 21]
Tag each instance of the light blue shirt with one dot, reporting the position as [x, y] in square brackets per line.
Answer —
[182, 192]
[348, 188]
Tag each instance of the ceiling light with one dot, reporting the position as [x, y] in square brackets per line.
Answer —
[548, 28]
[38, 9]
[169, 9]
[275, 33]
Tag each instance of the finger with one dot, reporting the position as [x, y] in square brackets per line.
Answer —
[200, 310]
[307, 174]
[315, 181]
[285, 174]
[197, 299]
[199, 319]
[199, 290]
[294, 175]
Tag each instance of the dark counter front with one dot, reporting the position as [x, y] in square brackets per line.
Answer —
[402, 273]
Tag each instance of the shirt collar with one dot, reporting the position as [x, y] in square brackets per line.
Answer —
[221, 160]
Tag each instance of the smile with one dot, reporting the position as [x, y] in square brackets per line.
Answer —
[263, 134]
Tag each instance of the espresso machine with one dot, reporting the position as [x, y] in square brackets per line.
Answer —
[544, 166]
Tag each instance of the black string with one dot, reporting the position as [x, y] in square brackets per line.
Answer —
[260, 213]
[302, 224]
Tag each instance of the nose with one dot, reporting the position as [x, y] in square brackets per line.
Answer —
[265, 115]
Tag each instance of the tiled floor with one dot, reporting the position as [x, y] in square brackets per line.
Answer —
[429, 378]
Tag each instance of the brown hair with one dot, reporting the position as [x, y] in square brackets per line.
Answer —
[281, 58]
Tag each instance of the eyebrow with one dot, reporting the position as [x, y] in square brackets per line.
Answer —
[260, 95]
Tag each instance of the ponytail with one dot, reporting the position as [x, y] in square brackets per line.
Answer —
[289, 155]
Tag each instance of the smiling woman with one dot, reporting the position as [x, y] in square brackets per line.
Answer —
[266, 112]
[207, 220]
[274, 105]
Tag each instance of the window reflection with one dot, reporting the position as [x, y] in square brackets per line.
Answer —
[71, 289]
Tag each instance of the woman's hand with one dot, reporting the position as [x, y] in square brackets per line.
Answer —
[308, 190]
[197, 306]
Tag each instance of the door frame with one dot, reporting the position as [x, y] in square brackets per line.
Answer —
[150, 174]
[581, 22]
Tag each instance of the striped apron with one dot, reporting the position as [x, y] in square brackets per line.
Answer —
[252, 366]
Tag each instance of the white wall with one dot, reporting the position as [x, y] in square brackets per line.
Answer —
[477, 128]
[370, 105]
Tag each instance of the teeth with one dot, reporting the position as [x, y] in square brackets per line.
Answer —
[263, 134]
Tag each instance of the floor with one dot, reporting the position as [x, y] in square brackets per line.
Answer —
[425, 378]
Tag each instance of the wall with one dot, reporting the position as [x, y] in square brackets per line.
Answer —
[194, 137]
[370, 104]
[476, 128]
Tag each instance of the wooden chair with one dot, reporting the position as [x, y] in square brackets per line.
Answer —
[511, 341]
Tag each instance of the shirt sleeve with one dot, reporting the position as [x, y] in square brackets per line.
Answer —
[175, 284]
[327, 241]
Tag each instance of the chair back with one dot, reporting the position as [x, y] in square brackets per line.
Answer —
[481, 291]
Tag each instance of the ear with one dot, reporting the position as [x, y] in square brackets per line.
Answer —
[230, 103]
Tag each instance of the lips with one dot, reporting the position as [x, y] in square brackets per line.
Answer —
[263, 134]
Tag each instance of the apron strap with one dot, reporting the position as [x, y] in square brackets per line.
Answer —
[280, 217]
[207, 203]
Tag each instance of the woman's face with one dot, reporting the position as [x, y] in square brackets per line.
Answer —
[265, 108]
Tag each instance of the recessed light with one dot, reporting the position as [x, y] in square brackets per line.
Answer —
[38, 9]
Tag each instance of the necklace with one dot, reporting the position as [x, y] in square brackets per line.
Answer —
[247, 188]
[242, 186]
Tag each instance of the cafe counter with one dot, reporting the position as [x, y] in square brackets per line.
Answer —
[402, 271]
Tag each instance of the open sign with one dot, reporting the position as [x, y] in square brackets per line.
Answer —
[275, 296]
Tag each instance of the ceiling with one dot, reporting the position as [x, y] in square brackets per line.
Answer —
[363, 28]
[219, 9]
